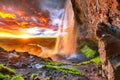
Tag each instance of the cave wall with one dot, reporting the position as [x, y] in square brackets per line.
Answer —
[90, 12]
[100, 20]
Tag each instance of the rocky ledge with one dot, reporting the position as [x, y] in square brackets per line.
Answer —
[23, 66]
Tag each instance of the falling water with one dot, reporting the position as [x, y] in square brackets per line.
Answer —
[54, 13]
[66, 41]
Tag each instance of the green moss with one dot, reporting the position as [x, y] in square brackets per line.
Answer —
[6, 70]
[54, 63]
[47, 78]
[7, 73]
[96, 60]
[33, 76]
[18, 77]
[65, 70]
[2, 76]
[88, 52]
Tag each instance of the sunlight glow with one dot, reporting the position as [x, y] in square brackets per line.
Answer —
[24, 36]
[8, 35]
[6, 15]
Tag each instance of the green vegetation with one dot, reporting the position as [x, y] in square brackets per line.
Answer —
[50, 62]
[18, 77]
[8, 73]
[47, 78]
[2, 76]
[6, 70]
[33, 76]
[88, 52]
[65, 70]
[95, 60]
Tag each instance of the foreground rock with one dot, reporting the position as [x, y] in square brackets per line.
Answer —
[27, 65]
[109, 48]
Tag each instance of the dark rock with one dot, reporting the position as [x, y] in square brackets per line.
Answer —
[112, 45]
[109, 49]
[2, 50]
[103, 28]
[112, 69]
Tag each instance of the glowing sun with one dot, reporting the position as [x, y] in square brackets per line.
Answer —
[24, 36]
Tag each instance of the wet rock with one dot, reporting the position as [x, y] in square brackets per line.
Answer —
[38, 66]
[103, 28]
[115, 64]
[109, 49]
[112, 45]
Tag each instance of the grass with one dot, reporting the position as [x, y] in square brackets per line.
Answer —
[54, 63]
[47, 78]
[65, 70]
[33, 76]
[18, 77]
[2, 76]
[6, 70]
[96, 60]
[7, 73]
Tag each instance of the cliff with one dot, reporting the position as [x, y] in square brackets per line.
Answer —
[100, 20]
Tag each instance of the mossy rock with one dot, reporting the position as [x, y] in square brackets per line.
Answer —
[47, 78]
[18, 77]
[95, 60]
[88, 47]
[2, 76]
[88, 52]
[6, 70]
[64, 70]
[33, 76]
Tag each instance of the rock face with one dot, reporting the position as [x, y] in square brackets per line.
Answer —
[100, 20]
[90, 12]
[109, 49]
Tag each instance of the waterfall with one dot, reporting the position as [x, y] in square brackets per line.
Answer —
[38, 22]
[66, 40]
